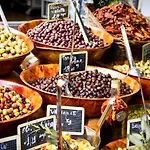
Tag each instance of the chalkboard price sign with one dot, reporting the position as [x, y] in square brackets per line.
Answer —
[146, 52]
[133, 126]
[9, 143]
[79, 62]
[72, 118]
[27, 138]
[58, 11]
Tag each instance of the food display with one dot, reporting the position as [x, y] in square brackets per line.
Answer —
[112, 16]
[11, 45]
[144, 68]
[12, 104]
[34, 112]
[89, 84]
[73, 144]
[59, 33]
[137, 113]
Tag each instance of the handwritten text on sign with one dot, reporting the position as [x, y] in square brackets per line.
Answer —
[133, 126]
[8, 143]
[146, 52]
[58, 11]
[72, 118]
[79, 62]
[28, 138]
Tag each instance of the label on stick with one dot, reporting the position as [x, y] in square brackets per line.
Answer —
[9, 143]
[72, 118]
[79, 62]
[146, 52]
[58, 10]
[29, 138]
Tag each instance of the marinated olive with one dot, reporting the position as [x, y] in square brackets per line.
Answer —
[11, 45]
[144, 68]
[12, 104]
[59, 33]
[89, 84]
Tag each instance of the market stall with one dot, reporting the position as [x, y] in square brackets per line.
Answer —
[69, 85]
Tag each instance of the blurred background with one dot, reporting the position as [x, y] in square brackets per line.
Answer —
[17, 11]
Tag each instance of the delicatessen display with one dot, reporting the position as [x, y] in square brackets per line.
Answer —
[93, 104]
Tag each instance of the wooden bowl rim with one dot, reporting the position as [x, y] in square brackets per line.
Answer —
[71, 97]
[16, 32]
[25, 87]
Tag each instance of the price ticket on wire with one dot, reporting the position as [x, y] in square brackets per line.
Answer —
[79, 62]
[72, 118]
[58, 11]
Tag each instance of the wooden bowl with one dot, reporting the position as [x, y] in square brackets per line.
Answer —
[145, 82]
[94, 103]
[50, 54]
[114, 145]
[36, 99]
[9, 64]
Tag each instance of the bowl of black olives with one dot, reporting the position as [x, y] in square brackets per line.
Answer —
[54, 37]
[14, 47]
[89, 89]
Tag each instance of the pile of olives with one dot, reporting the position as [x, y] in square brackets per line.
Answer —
[59, 33]
[11, 45]
[136, 113]
[144, 68]
[12, 104]
[89, 84]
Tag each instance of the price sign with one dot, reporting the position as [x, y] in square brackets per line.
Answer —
[72, 118]
[9, 143]
[28, 138]
[146, 52]
[79, 62]
[133, 126]
[58, 11]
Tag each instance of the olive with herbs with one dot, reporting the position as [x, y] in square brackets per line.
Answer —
[12, 104]
[11, 45]
[59, 33]
[89, 84]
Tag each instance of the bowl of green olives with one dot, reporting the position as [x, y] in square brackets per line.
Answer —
[14, 47]
[136, 111]
[144, 68]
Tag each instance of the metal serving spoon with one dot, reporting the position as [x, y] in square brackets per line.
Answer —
[6, 26]
[133, 70]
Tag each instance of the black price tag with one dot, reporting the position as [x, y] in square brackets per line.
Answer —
[72, 118]
[79, 62]
[27, 138]
[9, 143]
[133, 126]
[146, 52]
[58, 10]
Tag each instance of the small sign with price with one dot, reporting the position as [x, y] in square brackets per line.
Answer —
[72, 118]
[79, 62]
[58, 10]
[28, 138]
[9, 143]
[133, 127]
[146, 52]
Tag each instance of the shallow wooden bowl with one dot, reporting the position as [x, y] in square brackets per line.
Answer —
[145, 82]
[114, 145]
[9, 64]
[11, 125]
[94, 103]
[50, 54]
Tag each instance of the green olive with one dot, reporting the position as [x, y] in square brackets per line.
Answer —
[11, 45]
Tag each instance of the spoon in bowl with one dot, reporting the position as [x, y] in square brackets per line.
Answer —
[6, 26]
[133, 70]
